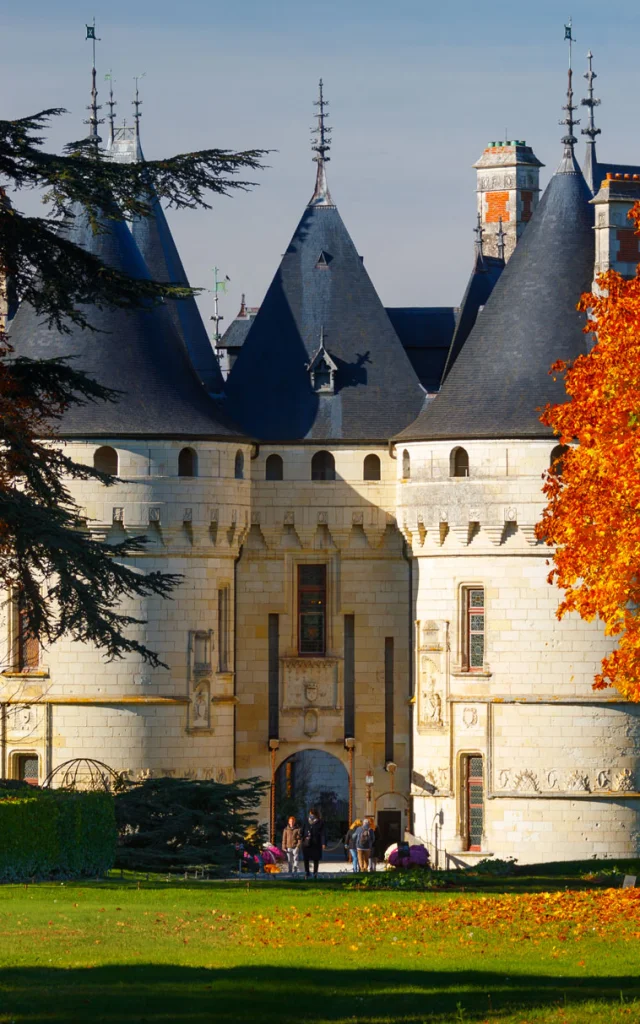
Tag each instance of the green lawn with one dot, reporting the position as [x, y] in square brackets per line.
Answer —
[231, 952]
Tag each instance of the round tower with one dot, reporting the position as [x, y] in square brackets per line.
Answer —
[514, 753]
[183, 483]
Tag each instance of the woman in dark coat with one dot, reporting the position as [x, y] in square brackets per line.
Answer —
[314, 841]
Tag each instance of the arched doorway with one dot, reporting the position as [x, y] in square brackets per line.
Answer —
[313, 778]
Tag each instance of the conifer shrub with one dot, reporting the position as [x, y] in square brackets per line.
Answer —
[170, 824]
[55, 833]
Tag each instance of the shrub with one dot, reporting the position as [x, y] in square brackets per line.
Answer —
[171, 824]
[412, 879]
[45, 833]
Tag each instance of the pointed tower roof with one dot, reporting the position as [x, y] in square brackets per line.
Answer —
[138, 353]
[155, 242]
[321, 294]
[484, 276]
[501, 376]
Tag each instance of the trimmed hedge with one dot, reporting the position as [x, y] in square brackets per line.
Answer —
[45, 833]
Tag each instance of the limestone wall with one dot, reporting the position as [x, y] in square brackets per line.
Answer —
[133, 717]
[557, 755]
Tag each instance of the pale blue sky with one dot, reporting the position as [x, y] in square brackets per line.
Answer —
[416, 90]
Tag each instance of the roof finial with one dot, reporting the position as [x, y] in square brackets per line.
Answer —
[112, 104]
[320, 147]
[479, 233]
[137, 103]
[500, 240]
[569, 140]
[93, 108]
[591, 102]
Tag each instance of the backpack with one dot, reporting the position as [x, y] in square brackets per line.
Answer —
[364, 839]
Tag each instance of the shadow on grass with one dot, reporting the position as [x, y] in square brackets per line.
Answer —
[157, 993]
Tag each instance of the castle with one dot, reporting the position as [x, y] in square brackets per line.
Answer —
[364, 618]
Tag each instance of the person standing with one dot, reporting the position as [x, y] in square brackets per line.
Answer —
[350, 842]
[376, 855]
[314, 841]
[291, 843]
[365, 839]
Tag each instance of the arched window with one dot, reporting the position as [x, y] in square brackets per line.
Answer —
[105, 459]
[406, 465]
[187, 462]
[323, 466]
[238, 470]
[371, 468]
[459, 462]
[557, 456]
[273, 469]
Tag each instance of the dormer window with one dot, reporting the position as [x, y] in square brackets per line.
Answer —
[322, 370]
[324, 259]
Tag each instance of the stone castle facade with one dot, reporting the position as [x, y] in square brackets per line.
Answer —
[364, 608]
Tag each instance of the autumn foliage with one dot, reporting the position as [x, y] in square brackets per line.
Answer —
[592, 517]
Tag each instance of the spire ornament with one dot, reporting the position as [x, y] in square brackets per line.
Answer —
[479, 233]
[591, 102]
[500, 240]
[321, 146]
[569, 140]
[137, 103]
[112, 104]
[93, 120]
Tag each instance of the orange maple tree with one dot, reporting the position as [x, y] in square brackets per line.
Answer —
[592, 517]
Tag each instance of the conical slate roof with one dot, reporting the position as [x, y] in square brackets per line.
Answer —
[155, 242]
[484, 276]
[501, 377]
[321, 295]
[138, 353]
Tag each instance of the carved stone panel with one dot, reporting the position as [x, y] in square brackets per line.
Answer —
[310, 682]
[201, 706]
[430, 695]
[25, 721]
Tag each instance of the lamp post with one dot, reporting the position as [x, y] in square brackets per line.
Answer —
[369, 781]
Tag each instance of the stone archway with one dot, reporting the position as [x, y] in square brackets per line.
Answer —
[313, 778]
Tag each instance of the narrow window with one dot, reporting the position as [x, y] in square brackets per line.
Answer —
[388, 699]
[473, 802]
[371, 468]
[238, 470]
[223, 629]
[556, 460]
[28, 646]
[187, 462]
[474, 622]
[274, 676]
[27, 768]
[105, 460]
[274, 468]
[459, 462]
[323, 466]
[406, 465]
[312, 602]
[349, 675]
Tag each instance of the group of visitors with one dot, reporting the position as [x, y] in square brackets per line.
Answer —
[311, 838]
[362, 844]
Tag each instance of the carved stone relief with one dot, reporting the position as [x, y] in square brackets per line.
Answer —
[429, 695]
[578, 782]
[470, 717]
[201, 707]
[624, 781]
[527, 782]
[557, 781]
[310, 681]
[24, 720]
[310, 723]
